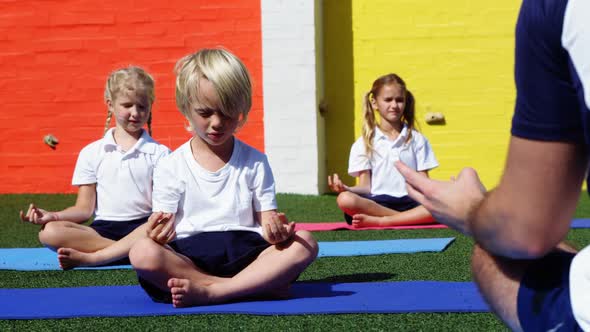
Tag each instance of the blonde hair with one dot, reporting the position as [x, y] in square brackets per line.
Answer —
[125, 80]
[369, 124]
[225, 71]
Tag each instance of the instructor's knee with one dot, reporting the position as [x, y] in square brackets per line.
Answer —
[480, 260]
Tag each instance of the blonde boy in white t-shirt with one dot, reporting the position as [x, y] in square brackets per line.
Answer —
[216, 235]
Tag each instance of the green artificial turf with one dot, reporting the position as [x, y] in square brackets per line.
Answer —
[451, 265]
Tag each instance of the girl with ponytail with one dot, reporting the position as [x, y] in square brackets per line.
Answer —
[380, 198]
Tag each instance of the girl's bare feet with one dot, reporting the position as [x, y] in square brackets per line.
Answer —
[70, 258]
[363, 220]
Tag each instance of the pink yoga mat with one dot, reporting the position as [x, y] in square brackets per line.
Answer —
[332, 226]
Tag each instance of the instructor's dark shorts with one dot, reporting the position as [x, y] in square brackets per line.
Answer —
[544, 295]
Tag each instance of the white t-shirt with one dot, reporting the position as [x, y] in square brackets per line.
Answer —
[575, 39]
[580, 287]
[206, 201]
[385, 178]
[123, 178]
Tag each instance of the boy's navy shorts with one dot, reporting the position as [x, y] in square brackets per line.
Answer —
[222, 254]
[116, 230]
[543, 301]
[399, 204]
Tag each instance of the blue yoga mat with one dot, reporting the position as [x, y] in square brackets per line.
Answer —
[307, 298]
[37, 259]
[378, 247]
[580, 223]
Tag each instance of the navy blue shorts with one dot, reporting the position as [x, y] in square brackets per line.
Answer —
[116, 230]
[544, 295]
[399, 204]
[222, 254]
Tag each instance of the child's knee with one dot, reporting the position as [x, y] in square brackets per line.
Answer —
[146, 254]
[346, 200]
[51, 233]
[307, 246]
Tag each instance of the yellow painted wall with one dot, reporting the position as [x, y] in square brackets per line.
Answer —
[457, 58]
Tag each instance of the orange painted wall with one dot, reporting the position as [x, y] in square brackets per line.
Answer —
[55, 57]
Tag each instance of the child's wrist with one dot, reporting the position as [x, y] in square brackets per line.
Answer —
[54, 216]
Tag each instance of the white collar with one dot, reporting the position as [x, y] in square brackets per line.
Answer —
[403, 135]
[144, 144]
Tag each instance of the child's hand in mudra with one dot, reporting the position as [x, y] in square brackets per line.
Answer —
[37, 216]
[276, 228]
[160, 227]
[336, 184]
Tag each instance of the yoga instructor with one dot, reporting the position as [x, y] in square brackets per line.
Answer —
[531, 280]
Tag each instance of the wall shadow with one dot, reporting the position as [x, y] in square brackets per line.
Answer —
[356, 277]
[339, 85]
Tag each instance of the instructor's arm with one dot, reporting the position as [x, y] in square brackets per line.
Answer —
[529, 212]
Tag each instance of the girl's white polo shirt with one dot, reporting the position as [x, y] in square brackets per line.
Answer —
[385, 178]
[224, 200]
[123, 178]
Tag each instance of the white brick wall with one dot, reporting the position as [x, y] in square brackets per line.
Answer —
[293, 128]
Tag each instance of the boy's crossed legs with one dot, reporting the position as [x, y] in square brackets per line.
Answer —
[269, 274]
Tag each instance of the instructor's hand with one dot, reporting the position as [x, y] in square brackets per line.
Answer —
[450, 202]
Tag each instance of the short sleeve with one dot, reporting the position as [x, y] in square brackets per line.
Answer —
[576, 39]
[264, 196]
[425, 155]
[86, 167]
[358, 160]
[168, 188]
[547, 106]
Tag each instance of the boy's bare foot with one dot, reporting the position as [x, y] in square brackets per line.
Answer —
[70, 258]
[187, 294]
[363, 220]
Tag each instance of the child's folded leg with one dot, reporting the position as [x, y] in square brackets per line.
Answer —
[124, 234]
[416, 216]
[156, 265]
[68, 234]
[261, 273]
[271, 272]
